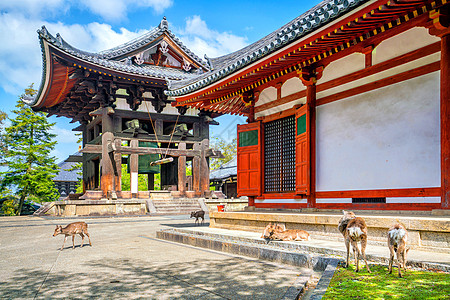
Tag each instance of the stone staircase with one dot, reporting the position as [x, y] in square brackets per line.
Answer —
[164, 203]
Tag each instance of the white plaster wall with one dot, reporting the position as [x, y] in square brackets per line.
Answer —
[280, 108]
[405, 42]
[291, 86]
[341, 67]
[267, 95]
[387, 138]
[381, 75]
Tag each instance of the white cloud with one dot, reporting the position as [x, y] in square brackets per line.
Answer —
[64, 136]
[114, 10]
[34, 8]
[202, 40]
[20, 56]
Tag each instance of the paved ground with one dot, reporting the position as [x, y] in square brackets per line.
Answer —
[127, 262]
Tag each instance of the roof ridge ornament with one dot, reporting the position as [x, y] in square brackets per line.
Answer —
[164, 24]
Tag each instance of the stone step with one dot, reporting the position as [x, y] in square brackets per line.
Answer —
[175, 204]
[224, 240]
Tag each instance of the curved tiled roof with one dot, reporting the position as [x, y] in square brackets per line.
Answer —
[101, 60]
[143, 40]
[221, 67]
[64, 174]
[224, 171]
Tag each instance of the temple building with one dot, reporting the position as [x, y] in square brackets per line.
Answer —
[348, 106]
[117, 99]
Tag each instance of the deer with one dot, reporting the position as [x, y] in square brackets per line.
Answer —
[279, 233]
[73, 229]
[290, 235]
[270, 230]
[197, 215]
[397, 238]
[354, 230]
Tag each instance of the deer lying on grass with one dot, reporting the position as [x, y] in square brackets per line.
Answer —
[198, 214]
[397, 238]
[73, 229]
[278, 232]
[354, 230]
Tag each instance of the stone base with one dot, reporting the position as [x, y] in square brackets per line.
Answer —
[100, 207]
[426, 232]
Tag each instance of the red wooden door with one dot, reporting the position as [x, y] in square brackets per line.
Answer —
[302, 153]
[249, 159]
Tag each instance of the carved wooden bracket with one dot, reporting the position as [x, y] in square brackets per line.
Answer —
[310, 75]
[441, 21]
[135, 96]
[159, 100]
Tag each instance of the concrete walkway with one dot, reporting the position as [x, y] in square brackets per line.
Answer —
[127, 262]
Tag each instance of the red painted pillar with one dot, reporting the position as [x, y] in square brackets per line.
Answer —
[311, 106]
[445, 120]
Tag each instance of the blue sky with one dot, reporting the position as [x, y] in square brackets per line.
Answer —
[209, 27]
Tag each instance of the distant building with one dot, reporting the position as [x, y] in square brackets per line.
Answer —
[225, 178]
[66, 182]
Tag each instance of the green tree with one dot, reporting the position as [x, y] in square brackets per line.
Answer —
[28, 143]
[228, 150]
[3, 117]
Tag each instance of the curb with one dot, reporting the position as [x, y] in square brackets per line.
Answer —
[324, 281]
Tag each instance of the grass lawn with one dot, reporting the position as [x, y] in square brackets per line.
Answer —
[347, 284]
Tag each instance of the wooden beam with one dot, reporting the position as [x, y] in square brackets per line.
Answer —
[143, 150]
[152, 138]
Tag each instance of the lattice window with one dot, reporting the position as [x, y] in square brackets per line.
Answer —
[279, 155]
[369, 200]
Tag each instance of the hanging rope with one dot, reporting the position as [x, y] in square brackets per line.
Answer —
[156, 135]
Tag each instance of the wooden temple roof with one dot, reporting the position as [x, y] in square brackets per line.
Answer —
[327, 30]
[64, 89]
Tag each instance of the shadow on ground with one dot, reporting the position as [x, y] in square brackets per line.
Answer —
[184, 225]
[122, 278]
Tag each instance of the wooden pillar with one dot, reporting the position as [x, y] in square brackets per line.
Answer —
[182, 170]
[445, 120]
[159, 127]
[441, 28]
[151, 181]
[196, 171]
[107, 176]
[118, 161]
[311, 106]
[134, 165]
[309, 77]
[204, 169]
[84, 165]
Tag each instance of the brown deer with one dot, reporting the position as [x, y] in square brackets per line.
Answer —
[197, 215]
[397, 238]
[354, 230]
[271, 229]
[278, 232]
[290, 235]
[73, 229]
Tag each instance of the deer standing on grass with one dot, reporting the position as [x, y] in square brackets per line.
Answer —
[354, 230]
[73, 229]
[397, 238]
[197, 215]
